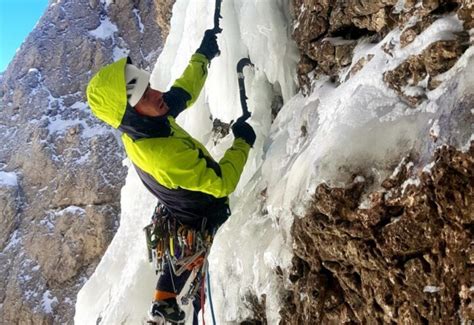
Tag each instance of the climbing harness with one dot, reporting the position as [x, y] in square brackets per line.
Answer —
[185, 248]
[181, 248]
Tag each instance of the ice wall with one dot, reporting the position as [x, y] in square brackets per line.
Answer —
[121, 289]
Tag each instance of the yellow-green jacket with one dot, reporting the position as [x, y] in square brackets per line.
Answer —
[175, 167]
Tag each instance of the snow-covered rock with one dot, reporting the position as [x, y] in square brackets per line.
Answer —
[60, 169]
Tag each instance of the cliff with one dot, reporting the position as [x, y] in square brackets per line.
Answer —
[399, 251]
[61, 168]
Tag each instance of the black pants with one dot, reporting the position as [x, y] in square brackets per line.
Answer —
[169, 282]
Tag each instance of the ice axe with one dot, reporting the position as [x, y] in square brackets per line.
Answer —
[243, 97]
[217, 16]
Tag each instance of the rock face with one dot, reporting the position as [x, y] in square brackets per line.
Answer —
[407, 258]
[326, 32]
[401, 253]
[163, 16]
[9, 206]
[59, 214]
[439, 57]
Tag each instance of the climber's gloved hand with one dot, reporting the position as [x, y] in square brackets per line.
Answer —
[243, 130]
[209, 47]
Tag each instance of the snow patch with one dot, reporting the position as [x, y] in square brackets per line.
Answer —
[48, 302]
[413, 91]
[119, 53]
[435, 129]
[365, 204]
[467, 146]
[398, 169]
[395, 220]
[431, 289]
[14, 241]
[410, 181]
[48, 222]
[72, 209]
[429, 167]
[58, 125]
[399, 7]
[105, 30]
[139, 19]
[80, 105]
[84, 159]
[28, 294]
[337, 41]
[9, 179]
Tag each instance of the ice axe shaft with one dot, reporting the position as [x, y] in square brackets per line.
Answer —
[217, 17]
[243, 97]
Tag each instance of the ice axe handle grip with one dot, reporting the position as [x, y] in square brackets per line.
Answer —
[243, 97]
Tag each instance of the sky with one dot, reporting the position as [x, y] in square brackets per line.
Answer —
[17, 20]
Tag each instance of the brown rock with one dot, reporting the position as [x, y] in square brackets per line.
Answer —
[164, 10]
[413, 265]
[305, 66]
[428, 6]
[409, 73]
[437, 58]
[466, 14]
[407, 37]
[440, 56]
[318, 26]
[360, 64]
[9, 207]
[354, 20]
[376, 22]
[338, 19]
[410, 4]
[331, 54]
[71, 238]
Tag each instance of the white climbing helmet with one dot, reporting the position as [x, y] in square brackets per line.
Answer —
[137, 81]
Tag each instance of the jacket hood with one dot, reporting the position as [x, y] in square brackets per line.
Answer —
[107, 94]
[107, 97]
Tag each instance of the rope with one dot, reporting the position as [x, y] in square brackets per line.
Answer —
[171, 276]
[210, 296]
[203, 299]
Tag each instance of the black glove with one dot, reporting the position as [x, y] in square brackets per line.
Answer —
[209, 47]
[245, 131]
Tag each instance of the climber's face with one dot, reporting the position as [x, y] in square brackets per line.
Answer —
[152, 103]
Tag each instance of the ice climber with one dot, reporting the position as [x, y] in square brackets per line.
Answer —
[172, 165]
